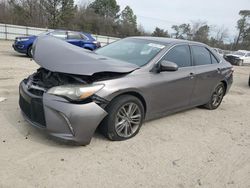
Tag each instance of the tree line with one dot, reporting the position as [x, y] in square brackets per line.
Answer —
[105, 17]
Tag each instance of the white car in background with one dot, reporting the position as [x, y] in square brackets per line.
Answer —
[240, 57]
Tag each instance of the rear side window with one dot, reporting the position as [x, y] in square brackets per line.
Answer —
[85, 37]
[59, 34]
[74, 35]
[201, 55]
[179, 55]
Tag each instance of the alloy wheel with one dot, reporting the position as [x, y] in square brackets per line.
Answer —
[128, 119]
[218, 96]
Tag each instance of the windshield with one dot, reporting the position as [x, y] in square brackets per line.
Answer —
[239, 53]
[135, 51]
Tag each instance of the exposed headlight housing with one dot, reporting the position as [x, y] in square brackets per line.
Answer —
[75, 92]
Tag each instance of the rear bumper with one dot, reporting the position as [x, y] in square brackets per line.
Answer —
[19, 48]
[229, 81]
[59, 118]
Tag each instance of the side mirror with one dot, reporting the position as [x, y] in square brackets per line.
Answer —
[168, 66]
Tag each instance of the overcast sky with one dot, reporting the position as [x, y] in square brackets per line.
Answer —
[165, 13]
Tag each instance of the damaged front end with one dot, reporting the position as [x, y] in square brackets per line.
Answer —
[234, 60]
[61, 96]
[48, 100]
[45, 81]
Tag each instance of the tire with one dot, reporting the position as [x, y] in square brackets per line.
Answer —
[29, 52]
[112, 126]
[216, 97]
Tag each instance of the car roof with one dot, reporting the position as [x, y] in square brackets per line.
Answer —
[167, 41]
[89, 34]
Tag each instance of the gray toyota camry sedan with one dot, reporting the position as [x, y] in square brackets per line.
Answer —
[118, 87]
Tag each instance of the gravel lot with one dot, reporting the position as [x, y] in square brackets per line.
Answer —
[194, 148]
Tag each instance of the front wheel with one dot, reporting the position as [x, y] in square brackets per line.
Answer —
[217, 97]
[125, 117]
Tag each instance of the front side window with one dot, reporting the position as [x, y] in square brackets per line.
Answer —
[85, 37]
[201, 55]
[179, 55]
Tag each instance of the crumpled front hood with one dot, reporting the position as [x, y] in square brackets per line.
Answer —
[59, 56]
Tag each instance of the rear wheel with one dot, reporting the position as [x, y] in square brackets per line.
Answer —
[217, 97]
[29, 52]
[125, 117]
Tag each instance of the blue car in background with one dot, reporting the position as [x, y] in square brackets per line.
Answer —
[81, 39]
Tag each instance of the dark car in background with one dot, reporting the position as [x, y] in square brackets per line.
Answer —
[81, 39]
[240, 58]
[120, 85]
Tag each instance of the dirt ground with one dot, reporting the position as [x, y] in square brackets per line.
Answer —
[194, 148]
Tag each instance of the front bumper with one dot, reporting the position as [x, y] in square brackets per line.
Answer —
[60, 118]
[229, 82]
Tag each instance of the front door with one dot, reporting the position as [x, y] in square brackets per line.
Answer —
[173, 90]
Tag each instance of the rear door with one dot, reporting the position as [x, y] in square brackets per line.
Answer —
[207, 74]
[172, 90]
